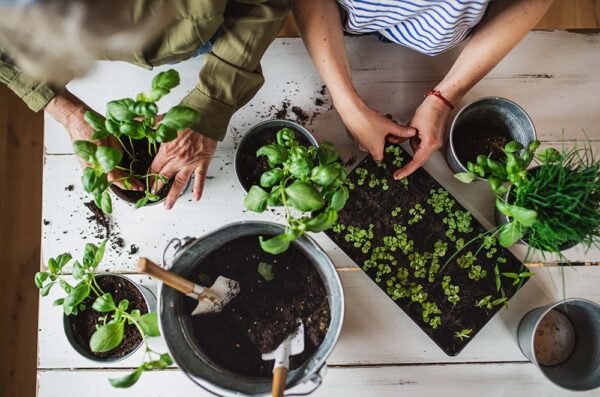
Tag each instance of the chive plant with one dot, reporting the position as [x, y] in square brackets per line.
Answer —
[128, 120]
[110, 330]
[304, 179]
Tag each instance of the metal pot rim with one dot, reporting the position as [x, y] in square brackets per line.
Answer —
[468, 106]
[83, 353]
[122, 197]
[258, 128]
[332, 334]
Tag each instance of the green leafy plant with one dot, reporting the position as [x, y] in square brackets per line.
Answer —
[127, 120]
[266, 271]
[304, 179]
[110, 330]
[551, 206]
[463, 334]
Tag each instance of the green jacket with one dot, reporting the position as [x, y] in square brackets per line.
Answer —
[231, 74]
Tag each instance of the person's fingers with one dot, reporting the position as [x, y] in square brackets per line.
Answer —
[377, 152]
[199, 179]
[421, 156]
[401, 131]
[116, 177]
[167, 172]
[160, 161]
[181, 179]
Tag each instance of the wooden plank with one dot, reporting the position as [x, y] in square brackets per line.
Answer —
[375, 330]
[572, 14]
[559, 96]
[511, 379]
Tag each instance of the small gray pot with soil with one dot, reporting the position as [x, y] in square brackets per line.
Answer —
[222, 352]
[563, 340]
[483, 127]
[141, 167]
[249, 167]
[79, 328]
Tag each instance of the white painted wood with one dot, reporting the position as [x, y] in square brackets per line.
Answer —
[551, 74]
[375, 330]
[474, 380]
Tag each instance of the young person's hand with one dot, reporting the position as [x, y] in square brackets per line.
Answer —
[190, 153]
[370, 128]
[430, 120]
[69, 110]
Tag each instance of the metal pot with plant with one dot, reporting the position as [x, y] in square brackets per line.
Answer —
[137, 127]
[107, 317]
[550, 207]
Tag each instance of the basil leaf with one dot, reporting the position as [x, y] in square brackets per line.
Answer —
[326, 153]
[180, 118]
[149, 324]
[58, 302]
[274, 199]
[101, 184]
[496, 185]
[94, 120]
[510, 234]
[39, 278]
[52, 265]
[165, 134]
[108, 158]
[85, 149]
[166, 80]
[113, 127]
[324, 175]
[78, 294]
[141, 202]
[99, 253]
[46, 289]
[549, 155]
[512, 147]
[284, 136]
[275, 245]
[78, 271]
[304, 197]
[256, 199]
[465, 177]
[127, 380]
[106, 203]
[104, 303]
[119, 109]
[89, 179]
[503, 207]
[322, 221]
[133, 129]
[301, 167]
[271, 177]
[524, 216]
[266, 271]
[123, 305]
[63, 259]
[276, 154]
[107, 337]
[339, 198]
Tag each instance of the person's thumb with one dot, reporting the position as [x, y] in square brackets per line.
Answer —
[401, 131]
[376, 152]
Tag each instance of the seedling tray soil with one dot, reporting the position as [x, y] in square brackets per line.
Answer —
[402, 233]
[265, 312]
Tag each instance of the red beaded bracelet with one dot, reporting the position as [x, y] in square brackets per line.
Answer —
[439, 95]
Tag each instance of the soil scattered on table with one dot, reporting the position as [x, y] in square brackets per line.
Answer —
[140, 167]
[69, 188]
[102, 229]
[265, 312]
[252, 167]
[84, 324]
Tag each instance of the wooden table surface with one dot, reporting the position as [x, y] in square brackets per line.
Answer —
[381, 352]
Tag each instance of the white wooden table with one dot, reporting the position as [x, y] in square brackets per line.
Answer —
[381, 352]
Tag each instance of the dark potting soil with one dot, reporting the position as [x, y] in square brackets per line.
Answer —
[265, 312]
[84, 323]
[140, 167]
[374, 206]
[474, 138]
[100, 219]
[252, 167]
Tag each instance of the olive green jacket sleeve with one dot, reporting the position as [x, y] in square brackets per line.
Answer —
[35, 94]
[231, 75]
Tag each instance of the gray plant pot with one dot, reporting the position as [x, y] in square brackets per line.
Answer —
[259, 129]
[490, 110]
[150, 300]
[575, 331]
[176, 326]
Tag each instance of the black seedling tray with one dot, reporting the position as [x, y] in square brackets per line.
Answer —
[374, 206]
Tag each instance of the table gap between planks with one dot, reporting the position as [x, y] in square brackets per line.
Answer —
[552, 74]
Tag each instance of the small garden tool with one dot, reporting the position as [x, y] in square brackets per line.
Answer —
[292, 345]
[210, 299]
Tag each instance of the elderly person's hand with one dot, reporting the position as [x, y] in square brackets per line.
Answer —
[190, 153]
[370, 128]
[430, 120]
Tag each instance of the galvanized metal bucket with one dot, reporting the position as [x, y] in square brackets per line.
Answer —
[581, 369]
[488, 110]
[176, 325]
[259, 129]
[149, 299]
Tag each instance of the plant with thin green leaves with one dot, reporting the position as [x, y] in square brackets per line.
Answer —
[110, 330]
[128, 120]
[305, 179]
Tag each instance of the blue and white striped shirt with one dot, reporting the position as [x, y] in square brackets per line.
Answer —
[427, 26]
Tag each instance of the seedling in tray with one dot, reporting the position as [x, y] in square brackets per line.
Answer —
[403, 235]
[301, 178]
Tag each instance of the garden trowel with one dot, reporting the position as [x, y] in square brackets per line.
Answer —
[210, 299]
[292, 345]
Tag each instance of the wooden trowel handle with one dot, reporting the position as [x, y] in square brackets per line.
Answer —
[279, 378]
[145, 265]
